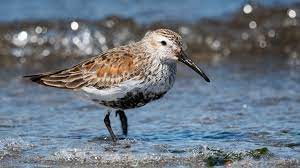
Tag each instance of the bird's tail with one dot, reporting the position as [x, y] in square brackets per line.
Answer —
[46, 79]
[37, 78]
[65, 79]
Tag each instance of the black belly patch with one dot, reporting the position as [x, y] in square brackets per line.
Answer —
[131, 100]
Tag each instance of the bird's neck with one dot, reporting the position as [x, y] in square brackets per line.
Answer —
[153, 64]
[159, 75]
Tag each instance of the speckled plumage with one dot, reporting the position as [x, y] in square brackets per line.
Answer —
[115, 68]
[128, 76]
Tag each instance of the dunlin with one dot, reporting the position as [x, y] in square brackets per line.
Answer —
[125, 77]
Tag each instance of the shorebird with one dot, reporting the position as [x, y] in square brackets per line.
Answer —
[125, 77]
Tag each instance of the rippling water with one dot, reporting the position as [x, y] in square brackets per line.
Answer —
[244, 109]
[248, 115]
[140, 10]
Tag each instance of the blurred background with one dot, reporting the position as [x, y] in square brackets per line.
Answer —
[248, 115]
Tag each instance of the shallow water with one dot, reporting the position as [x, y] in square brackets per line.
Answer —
[248, 115]
[142, 11]
[244, 108]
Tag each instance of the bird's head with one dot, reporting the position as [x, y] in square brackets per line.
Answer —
[167, 46]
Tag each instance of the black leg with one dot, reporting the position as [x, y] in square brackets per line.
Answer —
[107, 124]
[123, 120]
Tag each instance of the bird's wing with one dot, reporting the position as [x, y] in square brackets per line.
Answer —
[106, 70]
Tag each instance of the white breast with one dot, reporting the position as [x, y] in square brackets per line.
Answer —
[159, 80]
[112, 93]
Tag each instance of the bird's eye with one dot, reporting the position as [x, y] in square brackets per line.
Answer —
[163, 43]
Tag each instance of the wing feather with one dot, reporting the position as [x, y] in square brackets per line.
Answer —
[102, 71]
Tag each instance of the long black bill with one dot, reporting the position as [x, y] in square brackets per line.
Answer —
[184, 59]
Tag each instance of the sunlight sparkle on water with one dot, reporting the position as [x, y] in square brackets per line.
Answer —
[38, 29]
[247, 9]
[74, 25]
[292, 13]
[252, 25]
[22, 36]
